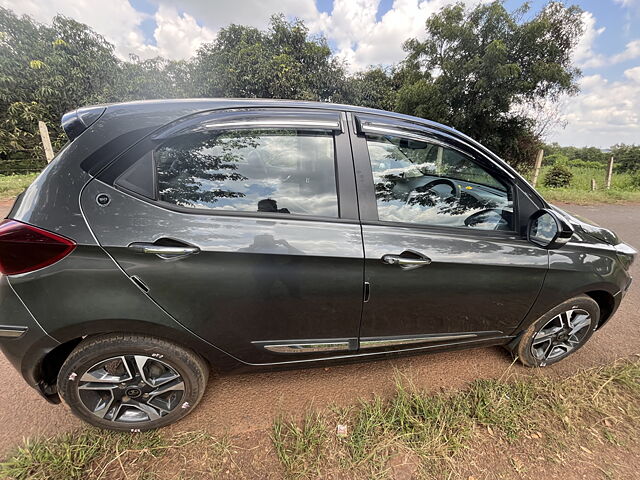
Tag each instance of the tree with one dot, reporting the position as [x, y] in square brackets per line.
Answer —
[374, 88]
[476, 66]
[282, 62]
[44, 72]
[151, 79]
[627, 157]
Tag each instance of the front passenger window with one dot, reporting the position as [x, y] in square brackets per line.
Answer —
[424, 183]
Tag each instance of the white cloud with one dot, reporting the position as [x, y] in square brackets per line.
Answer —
[631, 51]
[363, 41]
[604, 113]
[629, 3]
[178, 36]
[584, 56]
[633, 74]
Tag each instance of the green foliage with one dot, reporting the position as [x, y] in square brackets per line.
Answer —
[476, 66]
[44, 72]
[373, 88]
[558, 176]
[555, 159]
[584, 164]
[587, 154]
[282, 62]
[626, 157]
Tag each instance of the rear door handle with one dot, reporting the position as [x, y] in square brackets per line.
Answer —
[407, 260]
[163, 250]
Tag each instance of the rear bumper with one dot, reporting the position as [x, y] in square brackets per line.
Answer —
[22, 340]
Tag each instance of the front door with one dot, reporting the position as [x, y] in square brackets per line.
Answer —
[234, 226]
[444, 263]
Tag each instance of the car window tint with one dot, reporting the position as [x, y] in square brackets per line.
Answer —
[424, 183]
[271, 171]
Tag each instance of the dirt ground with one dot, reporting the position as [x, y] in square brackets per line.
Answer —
[239, 404]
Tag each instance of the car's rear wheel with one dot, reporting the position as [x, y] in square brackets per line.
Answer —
[131, 382]
[559, 333]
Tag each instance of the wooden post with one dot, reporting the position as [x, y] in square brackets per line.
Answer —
[46, 141]
[609, 173]
[536, 169]
[593, 184]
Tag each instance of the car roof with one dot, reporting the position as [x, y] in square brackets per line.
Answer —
[215, 103]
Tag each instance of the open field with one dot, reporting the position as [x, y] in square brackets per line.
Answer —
[12, 185]
[624, 188]
[564, 425]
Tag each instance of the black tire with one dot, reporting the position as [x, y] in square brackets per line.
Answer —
[180, 371]
[541, 328]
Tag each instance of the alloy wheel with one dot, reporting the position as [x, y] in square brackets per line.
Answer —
[131, 389]
[561, 335]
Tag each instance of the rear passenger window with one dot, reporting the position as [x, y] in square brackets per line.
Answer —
[270, 171]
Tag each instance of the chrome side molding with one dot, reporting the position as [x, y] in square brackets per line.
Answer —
[352, 344]
[12, 331]
[371, 342]
[305, 347]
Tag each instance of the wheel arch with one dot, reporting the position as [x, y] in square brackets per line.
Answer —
[604, 298]
[70, 338]
[607, 303]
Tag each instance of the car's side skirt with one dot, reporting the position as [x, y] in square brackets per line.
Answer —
[371, 346]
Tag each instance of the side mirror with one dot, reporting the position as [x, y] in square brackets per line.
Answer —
[548, 230]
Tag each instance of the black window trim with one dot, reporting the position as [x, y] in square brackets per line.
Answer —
[343, 163]
[364, 173]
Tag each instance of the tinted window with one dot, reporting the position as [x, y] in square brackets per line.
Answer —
[420, 182]
[283, 171]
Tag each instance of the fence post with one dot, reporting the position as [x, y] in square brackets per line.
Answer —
[609, 173]
[46, 141]
[593, 184]
[536, 169]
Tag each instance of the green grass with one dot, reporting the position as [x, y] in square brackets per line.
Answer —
[623, 189]
[437, 429]
[12, 185]
[598, 406]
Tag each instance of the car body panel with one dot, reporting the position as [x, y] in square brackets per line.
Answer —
[253, 279]
[25, 351]
[471, 285]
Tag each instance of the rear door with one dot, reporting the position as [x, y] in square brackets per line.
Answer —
[446, 262]
[242, 225]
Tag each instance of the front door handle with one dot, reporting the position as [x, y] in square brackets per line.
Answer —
[407, 260]
[163, 250]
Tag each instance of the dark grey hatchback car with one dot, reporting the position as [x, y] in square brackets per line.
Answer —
[169, 238]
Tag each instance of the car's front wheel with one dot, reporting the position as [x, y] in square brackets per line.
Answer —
[131, 382]
[559, 333]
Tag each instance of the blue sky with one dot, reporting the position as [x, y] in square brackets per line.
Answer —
[366, 32]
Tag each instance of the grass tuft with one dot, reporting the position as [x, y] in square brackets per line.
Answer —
[299, 447]
[12, 185]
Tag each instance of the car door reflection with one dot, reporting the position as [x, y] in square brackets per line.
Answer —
[276, 263]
